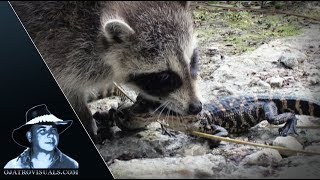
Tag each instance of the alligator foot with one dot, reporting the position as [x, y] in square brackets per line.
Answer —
[165, 131]
[219, 131]
[289, 127]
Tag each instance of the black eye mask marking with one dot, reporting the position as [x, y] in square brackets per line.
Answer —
[194, 66]
[157, 84]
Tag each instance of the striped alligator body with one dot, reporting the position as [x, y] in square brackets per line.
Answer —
[237, 114]
[230, 114]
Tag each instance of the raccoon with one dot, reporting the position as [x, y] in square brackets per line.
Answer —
[149, 46]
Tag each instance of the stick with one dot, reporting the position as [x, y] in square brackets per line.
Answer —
[122, 91]
[279, 148]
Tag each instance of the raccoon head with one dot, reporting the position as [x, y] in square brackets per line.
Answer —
[152, 48]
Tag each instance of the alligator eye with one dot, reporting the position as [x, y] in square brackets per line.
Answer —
[194, 64]
[157, 84]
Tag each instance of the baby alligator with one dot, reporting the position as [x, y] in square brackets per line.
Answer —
[233, 114]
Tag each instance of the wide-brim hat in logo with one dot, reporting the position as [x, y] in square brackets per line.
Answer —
[38, 115]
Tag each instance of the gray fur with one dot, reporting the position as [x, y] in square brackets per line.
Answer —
[91, 44]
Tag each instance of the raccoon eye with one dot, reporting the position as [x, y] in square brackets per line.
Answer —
[157, 84]
[194, 64]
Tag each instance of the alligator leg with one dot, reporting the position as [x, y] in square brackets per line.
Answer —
[289, 127]
[272, 116]
[206, 125]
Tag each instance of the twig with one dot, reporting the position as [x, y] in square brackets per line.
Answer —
[279, 148]
[123, 92]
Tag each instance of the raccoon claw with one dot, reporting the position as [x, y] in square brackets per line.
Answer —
[289, 128]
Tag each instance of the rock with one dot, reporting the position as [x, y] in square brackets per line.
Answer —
[154, 126]
[263, 123]
[167, 168]
[212, 51]
[241, 83]
[264, 84]
[289, 60]
[313, 80]
[265, 136]
[265, 157]
[292, 58]
[195, 150]
[287, 142]
[276, 82]
[311, 71]
[259, 82]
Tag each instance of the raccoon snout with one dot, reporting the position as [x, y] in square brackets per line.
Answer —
[195, 107]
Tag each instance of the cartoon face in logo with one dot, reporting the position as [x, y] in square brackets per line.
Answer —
[43, 137]
[40, 136]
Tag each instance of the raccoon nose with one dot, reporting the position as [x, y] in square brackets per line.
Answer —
[195, 107]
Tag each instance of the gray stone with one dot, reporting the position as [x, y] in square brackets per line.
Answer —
[313, 80]
[276, 82]
[195, 150]
[212, 51]
[258, 82]
[265, 157]
[287, 142]
[289, 60]
[184, 167]
[264, 84]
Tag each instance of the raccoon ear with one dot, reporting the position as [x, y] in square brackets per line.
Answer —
[185, 4]
[117, 30]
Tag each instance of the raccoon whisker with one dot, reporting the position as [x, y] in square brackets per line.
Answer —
[165, 117]
[158, 118]
[175, 109]
[161, 105]
[166, 103]
[179, 117]
[168, 114]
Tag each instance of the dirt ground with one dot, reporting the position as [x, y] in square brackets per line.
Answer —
[269, 64]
